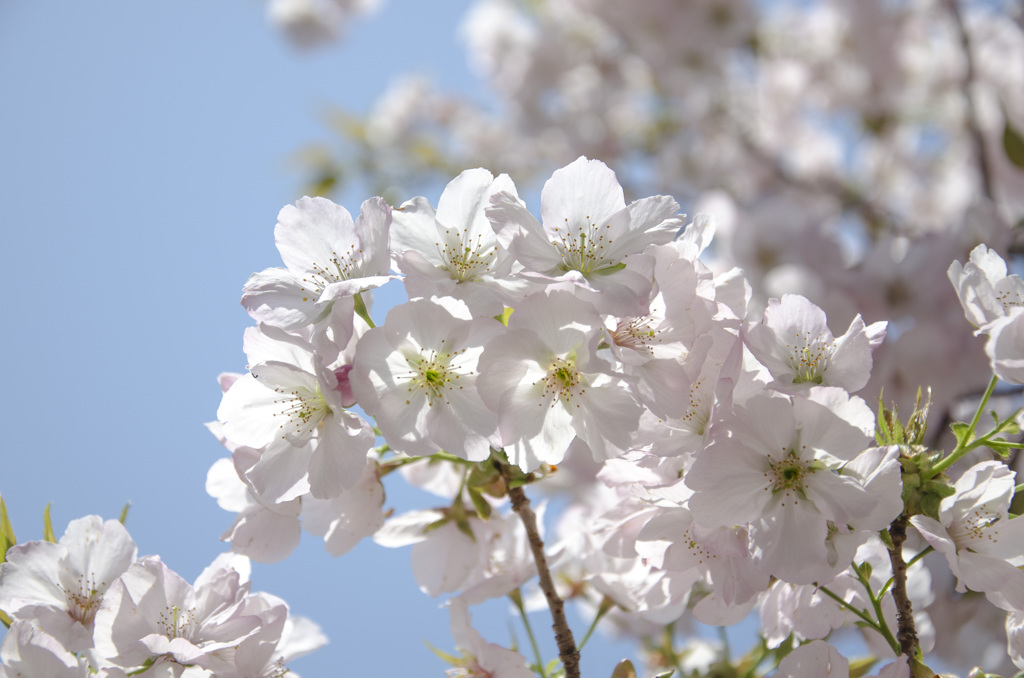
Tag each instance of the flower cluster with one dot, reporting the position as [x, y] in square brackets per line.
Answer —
[715, 459]
[87, 606]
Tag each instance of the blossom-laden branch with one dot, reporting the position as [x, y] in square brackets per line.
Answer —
[567, 650]
[907, 633]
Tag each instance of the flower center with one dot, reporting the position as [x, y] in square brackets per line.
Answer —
[583, 247]
[177, 623]
[809, 358]
[637, 334]
[467, 260]
[563, 381]
[336, 269]
[433, 374]
[302, 412]
[83, 602]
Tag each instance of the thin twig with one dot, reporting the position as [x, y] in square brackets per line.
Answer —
[972, 110]
[567, 651]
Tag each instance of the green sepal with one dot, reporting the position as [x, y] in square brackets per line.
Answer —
[624, 669]
[666, 674]
[483, 509]
[7, 538]
[1013, 144]
[485, 477]
[5, 620]
[930, 505]
[457, 512]
[440, 522]
[938, 486]
[444, 656]
[919, 669]
[124, 513]
[865, 569]
[48, 526]
[610, 269]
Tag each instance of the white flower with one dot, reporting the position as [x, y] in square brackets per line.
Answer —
[588, 232]
[781, 471]
[329, 257]
[152, 614]
[481, 659]
[292, 409]
[61, 586]
[548, 387]
[986, 292]
[417, 375]
[981, 543]
[454, 251]
[816, 659]
[794, 342]
[29, 652]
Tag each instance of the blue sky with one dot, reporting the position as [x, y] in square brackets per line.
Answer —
[145, 151]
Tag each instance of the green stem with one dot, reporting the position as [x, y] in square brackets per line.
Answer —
[965, 445]
[360, 307]
[919, 556]
[860, 613]
[517, 600]
[756, 659]
[876, 603]
[602, 610]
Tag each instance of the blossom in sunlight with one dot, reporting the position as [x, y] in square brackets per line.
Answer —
[549, 388]
[29, 652]
[453, 251]
[975, 533]
[586, 233]
[328, 258]
[151, 616]
[60, 587]
[417, 375]
[293, 410]
[794, 342]
[781, 471]
[985, 290]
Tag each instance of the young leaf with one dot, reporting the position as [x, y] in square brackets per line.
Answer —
[1013, 144]
[48, 526]
[624, 669]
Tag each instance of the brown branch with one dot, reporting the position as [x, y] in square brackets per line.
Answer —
[973, 127]
[907, 634]
[567, 651]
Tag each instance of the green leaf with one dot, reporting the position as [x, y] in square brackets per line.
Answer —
[624, 669]
[963, 432]
[48, 526]
[1013, 144]
[7, 538]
